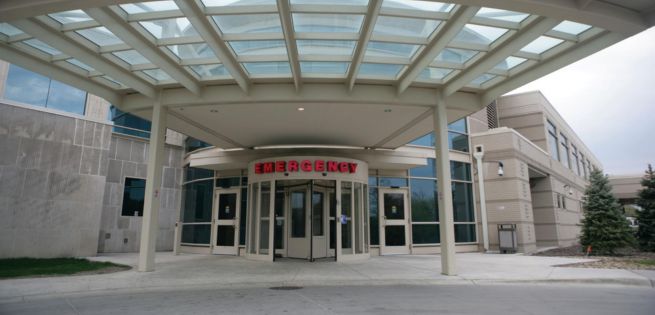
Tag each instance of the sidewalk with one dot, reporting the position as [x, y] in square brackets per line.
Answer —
[198, 271]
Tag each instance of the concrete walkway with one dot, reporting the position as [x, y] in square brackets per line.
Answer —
[198, 271]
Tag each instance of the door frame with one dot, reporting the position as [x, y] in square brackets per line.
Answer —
[225, 250]
[383, 222]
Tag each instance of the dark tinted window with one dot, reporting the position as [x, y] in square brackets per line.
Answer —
[133, 195]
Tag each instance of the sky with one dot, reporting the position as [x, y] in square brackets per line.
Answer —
[608, 99]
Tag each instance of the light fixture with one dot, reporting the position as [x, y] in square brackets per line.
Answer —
[214, 110]
[300, 109]
[568, 189]
[388, 110]
[501, 171]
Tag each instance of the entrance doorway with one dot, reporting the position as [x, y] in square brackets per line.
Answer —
[394, 222]
[226, 222]
[305, 222]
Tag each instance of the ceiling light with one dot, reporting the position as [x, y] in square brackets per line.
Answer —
[388, 110]
[300, 109]
[214, 110]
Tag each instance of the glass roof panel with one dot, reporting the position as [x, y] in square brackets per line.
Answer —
[327, 23]
[482, 79]
[572, 28]
[208, 71]
[100, 36]
[325, 47]
[132, 57]
[157, 74]
[509, 63]
[236, 3]
[267, 67]
[151, 6]
[390, 25]
[259, 47]
[248, 23]
[384, 49]
[455, 55]
[431, 73]
[70, 16]
[42, 46]
[80, 64]
[418, 5]
[169, 28]
[503, 15]
[192, 51]
[110, 79]
[478, 34]
[9, 30]
[541, 44]
[321, 67]
[379, 69]
[332, 2]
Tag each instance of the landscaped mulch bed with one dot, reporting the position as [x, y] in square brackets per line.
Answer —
[626, 260]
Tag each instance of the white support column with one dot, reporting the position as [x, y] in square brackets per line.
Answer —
[483, 200]
[150, 226]
[445, 202]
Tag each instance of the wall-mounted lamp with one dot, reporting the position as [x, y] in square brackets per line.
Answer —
[501, 171]
[568, 189]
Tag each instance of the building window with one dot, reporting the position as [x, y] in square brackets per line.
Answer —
[457, 137]
[574, 162]
[561, 201]
[197, 194]
[552, 140]
[564, 144]
[424, 207]
[129, 124]
[133, 195]
[192, 144]
[583, 165]
[31, 88]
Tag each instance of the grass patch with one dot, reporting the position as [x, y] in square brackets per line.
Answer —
[36, 267]
[647, 262]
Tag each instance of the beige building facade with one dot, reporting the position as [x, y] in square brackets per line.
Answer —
[546, 167]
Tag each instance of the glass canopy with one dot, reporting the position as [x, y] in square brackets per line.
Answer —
[204, 41]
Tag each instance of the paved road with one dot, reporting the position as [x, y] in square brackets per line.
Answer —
[433, 299]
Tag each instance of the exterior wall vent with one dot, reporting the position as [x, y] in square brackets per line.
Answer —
[492, 115]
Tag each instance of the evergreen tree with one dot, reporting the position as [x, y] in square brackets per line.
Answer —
[646, 217]
[604, 228]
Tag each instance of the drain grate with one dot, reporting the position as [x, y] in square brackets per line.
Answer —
[286, 288]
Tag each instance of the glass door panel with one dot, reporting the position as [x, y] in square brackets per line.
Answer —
[394, 224]
[226, 222]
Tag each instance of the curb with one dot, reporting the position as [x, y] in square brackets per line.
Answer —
[322, 283]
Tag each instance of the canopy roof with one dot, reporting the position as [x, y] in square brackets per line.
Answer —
[366, 72]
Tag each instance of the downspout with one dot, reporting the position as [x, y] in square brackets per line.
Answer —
[478, 154]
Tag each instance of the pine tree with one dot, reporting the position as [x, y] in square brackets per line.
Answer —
[604, 228]
[646, 216]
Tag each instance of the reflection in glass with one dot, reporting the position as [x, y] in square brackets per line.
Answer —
[169, 28]
[209, 71]
[373, 215]
[317, 213]
[325, 47]
[394, 235]
[132, 57]
[425, 234]
[384, 49]
[267, 67]
[464, 233]
[346, 210]
[323, 67]
[541, 44]
[400, 26]
[100, 36]
[72, 16]
[462, 202]
[509, 63]
[264, 213]
[197, 205]
[424, 200]
[503, 15]
[379, 69]
[298, 214]
[431, 73]
[259, 47]
[248, 23]
[227, 206]
[479, 34]
[196, 234]
[394, 206]
[454, 55]
[192, 51]
[572, 28]
[327, 23]
[42, 46]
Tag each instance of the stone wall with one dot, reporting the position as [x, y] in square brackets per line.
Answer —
[127, 157]
[51, 182]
